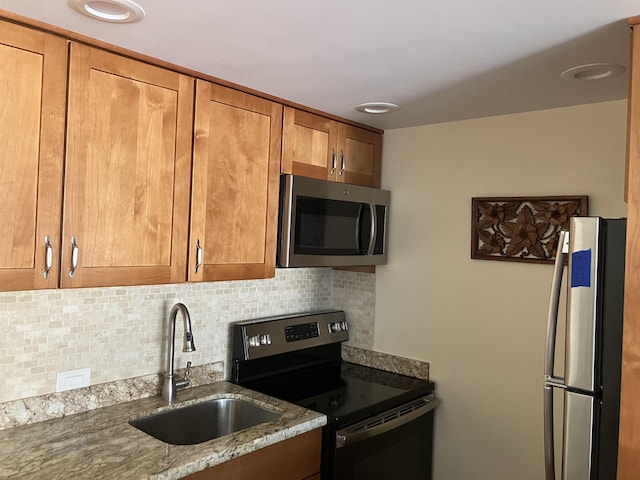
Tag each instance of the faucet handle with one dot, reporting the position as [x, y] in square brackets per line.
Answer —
[185, 381]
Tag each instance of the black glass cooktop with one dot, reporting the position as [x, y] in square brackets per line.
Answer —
[345, 392]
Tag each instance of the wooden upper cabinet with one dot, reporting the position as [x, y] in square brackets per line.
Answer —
[309, 145]
[127, 175]
[359, 157]
[234, 205]
[317, 147]
[32, 89]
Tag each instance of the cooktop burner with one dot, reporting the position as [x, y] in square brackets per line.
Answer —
[345, 392]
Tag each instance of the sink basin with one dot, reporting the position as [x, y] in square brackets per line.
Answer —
[204, 421]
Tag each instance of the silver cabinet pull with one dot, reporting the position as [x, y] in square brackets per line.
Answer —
[198, 255]
[74, 256]
[334, 163]
[48, 258]
[343, 163]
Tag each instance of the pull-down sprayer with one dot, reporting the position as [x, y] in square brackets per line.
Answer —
[172, 384]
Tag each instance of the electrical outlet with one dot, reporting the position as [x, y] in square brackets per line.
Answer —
[73, 379]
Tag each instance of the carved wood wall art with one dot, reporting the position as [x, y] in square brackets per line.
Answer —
[521, 229]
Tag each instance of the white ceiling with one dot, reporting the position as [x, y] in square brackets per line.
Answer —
[439, 60]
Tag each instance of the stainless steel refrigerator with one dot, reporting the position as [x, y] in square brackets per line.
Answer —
[591, 254]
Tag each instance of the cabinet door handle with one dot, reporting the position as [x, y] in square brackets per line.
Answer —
[74, 256]
[198, 255]
[48, 257]
[343, 164]
[334, 163]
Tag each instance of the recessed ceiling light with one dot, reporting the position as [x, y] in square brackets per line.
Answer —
[114, 11]
[376, 107]
[593, 71]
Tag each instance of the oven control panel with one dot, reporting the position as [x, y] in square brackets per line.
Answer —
[304, 331]
[275, 335]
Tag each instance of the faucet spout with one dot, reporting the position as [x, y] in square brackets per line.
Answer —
[172, 384]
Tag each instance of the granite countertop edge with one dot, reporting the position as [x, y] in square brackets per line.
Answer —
[101, 445]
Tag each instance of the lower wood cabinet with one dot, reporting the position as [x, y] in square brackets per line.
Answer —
[297, 458]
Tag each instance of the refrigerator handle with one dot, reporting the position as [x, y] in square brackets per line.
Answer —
[554, 302]
[549, 380]
[549, 446]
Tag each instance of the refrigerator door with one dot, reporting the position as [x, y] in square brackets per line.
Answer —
[585, 235]
[578, 436]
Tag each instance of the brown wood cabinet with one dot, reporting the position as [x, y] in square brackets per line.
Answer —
[234, 206]
[32, 88]
[629, 445]
[317, 147]
[106, 180]
[127, 172]
[297, 458]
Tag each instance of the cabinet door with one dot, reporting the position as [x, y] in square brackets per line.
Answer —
[128, 167]
[359, 156]
[32, 89]
[296, 458]
[309, 145]
[234, 206]
[629, 437]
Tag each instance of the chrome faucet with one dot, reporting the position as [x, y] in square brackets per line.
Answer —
[172, 384]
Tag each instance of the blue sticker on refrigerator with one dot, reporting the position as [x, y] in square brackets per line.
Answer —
[581, 269]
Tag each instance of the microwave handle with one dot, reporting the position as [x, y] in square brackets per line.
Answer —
[374, 228]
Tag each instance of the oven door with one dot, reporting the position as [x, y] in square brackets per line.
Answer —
[394, 444]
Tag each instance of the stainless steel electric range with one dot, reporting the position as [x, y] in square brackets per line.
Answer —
[379, 424]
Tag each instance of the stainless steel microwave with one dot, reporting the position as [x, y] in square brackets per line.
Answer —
[328, 224]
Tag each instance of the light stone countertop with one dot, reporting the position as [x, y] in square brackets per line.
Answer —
[101, 445]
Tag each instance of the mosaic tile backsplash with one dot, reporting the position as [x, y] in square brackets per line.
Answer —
[120, 332]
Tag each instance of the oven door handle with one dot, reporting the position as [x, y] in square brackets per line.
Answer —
[384, 422]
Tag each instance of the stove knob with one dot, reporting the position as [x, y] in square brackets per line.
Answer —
[265, 339]
[345, 327]
[254, 341]
[335, 327]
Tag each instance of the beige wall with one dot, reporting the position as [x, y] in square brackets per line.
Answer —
[481, 323]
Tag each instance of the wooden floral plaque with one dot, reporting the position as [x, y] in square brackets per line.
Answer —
[522, 229]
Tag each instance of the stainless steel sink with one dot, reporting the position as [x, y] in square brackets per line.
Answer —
[204, 421]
